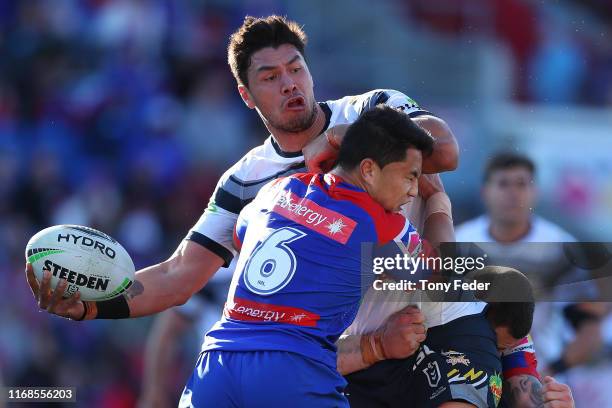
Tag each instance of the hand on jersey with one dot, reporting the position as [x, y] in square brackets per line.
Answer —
[556, 395]
[319, 154]
[52, 301]
[403, 333]
[429, 184]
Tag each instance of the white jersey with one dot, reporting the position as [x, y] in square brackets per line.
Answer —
[240, 184]
[377, 306]
[550, 330]
[477, 230]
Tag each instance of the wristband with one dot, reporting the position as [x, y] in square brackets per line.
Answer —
[438, 203]
[379, 343]
[373, 343]
[331, 141]
[116, 308]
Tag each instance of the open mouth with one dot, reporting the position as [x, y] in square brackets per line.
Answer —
[296, 103]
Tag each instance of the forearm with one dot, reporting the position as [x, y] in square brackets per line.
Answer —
[445, 155]
[522, 391]
[438, 228]
[171, 283]
[159, 287]
[349, 357]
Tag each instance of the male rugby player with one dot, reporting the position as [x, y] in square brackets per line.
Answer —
[298, 284]
[267, 60]
[266, 56]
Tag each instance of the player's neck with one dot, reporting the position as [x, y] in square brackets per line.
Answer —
[290, 142]
[509, 232]
[348, 177]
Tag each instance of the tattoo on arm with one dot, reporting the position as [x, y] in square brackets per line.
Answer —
[522, 391]
[136, 289]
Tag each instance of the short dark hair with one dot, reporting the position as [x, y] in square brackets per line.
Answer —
[257, 33]
[507, 160]
[382, 134]
[509, 297]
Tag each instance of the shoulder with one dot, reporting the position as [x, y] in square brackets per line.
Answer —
[474, 230]
[348, 108]
[544, 230]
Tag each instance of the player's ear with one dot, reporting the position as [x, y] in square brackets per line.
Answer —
[369, 171]
[246, 96]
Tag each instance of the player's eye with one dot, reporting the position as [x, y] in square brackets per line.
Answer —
[297, 69]
[270, 78]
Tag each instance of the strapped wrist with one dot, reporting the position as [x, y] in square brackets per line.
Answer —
[438, 203]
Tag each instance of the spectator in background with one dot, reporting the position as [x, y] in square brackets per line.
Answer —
[509, 195]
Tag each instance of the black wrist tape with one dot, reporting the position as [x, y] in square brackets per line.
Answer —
[116, 308]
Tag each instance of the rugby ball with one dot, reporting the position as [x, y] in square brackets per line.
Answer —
[92, 262]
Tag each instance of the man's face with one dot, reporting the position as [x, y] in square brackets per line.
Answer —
[395, 184]
[509, 195]
[281, 89]
[504, 339]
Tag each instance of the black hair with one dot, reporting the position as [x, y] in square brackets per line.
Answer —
[382, 134]
[257, 33]
[507, 160]
[509, 297]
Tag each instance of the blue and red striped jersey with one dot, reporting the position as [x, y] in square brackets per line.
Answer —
[297, 284]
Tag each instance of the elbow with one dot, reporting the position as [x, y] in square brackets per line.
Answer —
[181, 298]
[445, 154]
[449, 159]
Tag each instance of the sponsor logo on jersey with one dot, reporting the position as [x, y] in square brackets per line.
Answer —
[311, 215]
[495, 384]
[472, 377]
[248, 310]
[454, 358]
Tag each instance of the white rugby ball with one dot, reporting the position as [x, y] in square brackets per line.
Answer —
[92, 262]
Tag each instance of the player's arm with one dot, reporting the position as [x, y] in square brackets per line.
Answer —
[445, 155]
[159, 355]
[526, 391]
[156, 288]
[321, 152]
[399, 338]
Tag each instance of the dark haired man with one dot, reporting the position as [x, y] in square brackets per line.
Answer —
[267, 58]
[297, 284]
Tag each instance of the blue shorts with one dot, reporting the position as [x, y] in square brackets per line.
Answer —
[268, 379]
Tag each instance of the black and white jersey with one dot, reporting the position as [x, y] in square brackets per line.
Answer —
[241, 183]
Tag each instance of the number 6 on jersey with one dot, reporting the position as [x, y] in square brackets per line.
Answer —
[272, 264]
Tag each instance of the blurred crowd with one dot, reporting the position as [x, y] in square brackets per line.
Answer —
[122, 114]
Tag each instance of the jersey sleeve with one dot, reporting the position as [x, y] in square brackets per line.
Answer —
[394, 99]
[214, 229]
[520, 360]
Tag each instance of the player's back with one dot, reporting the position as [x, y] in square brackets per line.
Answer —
[297, 284]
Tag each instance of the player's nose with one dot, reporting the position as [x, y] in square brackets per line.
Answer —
[288, 85]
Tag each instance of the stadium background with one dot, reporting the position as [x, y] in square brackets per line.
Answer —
[122, 114]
